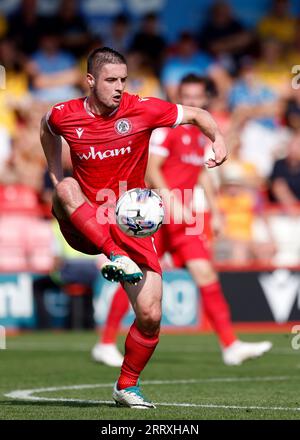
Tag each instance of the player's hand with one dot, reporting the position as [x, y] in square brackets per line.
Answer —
[220, 151]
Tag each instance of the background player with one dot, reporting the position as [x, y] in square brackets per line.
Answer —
[108, 134]
[177, 161]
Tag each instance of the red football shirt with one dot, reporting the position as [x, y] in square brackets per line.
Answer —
[106, 150]
[183, 147]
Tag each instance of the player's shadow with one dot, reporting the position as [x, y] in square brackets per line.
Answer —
[20, 402]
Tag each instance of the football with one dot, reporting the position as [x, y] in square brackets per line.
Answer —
[139, 212]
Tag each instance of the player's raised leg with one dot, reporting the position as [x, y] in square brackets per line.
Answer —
[70, 204]
[141, 340]
[234, 351]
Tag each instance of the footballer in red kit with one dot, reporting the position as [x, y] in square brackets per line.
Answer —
[182, 163]
[111, 149]
[108, 150]
[108, 134]
[176, 163]
[183, 150]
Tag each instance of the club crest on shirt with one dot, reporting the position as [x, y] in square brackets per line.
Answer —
[123, 126]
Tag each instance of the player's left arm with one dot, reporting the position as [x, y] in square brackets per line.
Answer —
[203, 119]
[52, 146]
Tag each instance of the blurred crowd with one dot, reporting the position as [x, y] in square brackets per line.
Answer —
[255, 100]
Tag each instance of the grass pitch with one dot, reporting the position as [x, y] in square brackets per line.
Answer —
[51, 376]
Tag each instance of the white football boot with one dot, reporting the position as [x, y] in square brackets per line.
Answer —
[121, 268]
[239, 351]
[107, 354]
[131, 397]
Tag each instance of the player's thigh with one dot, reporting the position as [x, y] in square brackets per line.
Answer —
[146, 296]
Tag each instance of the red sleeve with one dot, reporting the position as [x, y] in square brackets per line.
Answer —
[160, 113]
[54, 118]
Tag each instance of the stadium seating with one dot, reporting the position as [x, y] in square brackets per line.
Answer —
[25, 238]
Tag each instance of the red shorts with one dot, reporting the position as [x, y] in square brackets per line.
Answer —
[140, 250]
[182, 247]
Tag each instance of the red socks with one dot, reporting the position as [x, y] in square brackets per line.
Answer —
[118, 308]
[84, 219]
[138, 350]
[217, 310]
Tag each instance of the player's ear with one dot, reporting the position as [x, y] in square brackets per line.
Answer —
[90, 80]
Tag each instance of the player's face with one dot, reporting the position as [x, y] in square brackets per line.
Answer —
[193, 95]
[110, 84]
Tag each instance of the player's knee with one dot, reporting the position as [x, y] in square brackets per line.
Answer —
[204, 273]
[149, 321]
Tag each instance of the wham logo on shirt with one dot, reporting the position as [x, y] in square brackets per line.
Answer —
[93, 154]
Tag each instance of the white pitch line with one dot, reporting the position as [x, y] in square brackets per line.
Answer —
[189, 405]
[216, 406]
[28, 394]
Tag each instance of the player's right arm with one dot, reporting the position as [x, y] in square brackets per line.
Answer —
[160, 113]
[52, 146]
[204, 120]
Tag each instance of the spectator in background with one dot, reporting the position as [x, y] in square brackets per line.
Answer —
[26, 162]
[141, 79]
[25, 26]
[5, 149]
[119, 36]
[256, 110]
[72, 28]
[3, 26]
[186, 59]
[53, 72]
[224, 36]
[292, 110]
[285, 178]
[15, 95]
[149, 40]
[248, 92]
[272, 67]
[218, 107]
[279, 23]
[248, 171]
[241, 206]
[294, 50]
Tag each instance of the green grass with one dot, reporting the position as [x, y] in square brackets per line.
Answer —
[41, 360]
